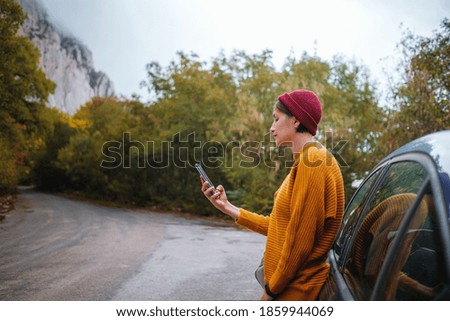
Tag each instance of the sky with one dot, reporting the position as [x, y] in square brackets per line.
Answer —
[125, 35]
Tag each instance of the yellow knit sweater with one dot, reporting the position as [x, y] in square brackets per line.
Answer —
[301, 229]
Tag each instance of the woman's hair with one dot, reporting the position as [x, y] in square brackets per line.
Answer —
[281, 107]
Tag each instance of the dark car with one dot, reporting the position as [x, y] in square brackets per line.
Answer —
[394, 242]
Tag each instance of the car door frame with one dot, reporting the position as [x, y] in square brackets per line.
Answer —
[427, 162]
[434, 183]
[337, 264]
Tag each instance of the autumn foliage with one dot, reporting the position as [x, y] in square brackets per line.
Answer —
[217, 112]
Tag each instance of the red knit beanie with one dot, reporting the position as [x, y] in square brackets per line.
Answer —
[305, 106]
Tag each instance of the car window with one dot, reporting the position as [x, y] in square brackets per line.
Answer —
[378, 225]
[352, 213]
[418, 272]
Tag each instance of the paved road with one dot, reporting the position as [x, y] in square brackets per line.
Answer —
[53, 248]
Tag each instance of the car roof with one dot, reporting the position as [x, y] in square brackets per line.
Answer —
[436, 145]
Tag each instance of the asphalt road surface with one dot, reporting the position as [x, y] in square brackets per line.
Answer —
[53, 248]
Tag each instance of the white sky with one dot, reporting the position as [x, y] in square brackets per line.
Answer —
[125, 35]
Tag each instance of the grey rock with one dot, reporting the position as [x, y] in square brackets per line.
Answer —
[65, 60]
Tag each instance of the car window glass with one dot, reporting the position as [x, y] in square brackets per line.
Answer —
[418, 272]
[352, 213]
[378, 226]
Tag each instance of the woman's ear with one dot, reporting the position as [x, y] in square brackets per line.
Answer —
[296, 123]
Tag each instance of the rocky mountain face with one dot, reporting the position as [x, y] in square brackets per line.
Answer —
[64, 60]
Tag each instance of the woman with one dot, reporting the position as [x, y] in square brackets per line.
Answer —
[308, 206]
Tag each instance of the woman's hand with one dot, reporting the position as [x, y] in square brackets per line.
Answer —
[219, 199]
[265, 297]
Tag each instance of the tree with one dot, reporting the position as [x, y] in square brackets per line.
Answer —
[218, 114]
[24, 90]
[351, 114]
[46, 174]
[421, 98]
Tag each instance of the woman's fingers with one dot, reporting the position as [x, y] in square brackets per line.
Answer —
[205, 185]
[210, 192]
[207, 190]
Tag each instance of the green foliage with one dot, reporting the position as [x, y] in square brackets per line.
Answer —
[217, 113]
[46, 174]
[23, 86]
[421, 104]
[23, 93]
[99, 121]
[9, 175]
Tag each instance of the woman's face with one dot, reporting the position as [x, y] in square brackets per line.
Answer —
[283, 128]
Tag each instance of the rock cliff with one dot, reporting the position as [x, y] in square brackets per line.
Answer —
[65, 60]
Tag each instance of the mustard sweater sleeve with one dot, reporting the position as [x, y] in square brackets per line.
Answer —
[255, 222]
[307, 209]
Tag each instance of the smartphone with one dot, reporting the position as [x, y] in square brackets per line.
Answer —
[204, 176]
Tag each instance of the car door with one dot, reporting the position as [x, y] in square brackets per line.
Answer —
[336, 287]
[390, 246]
